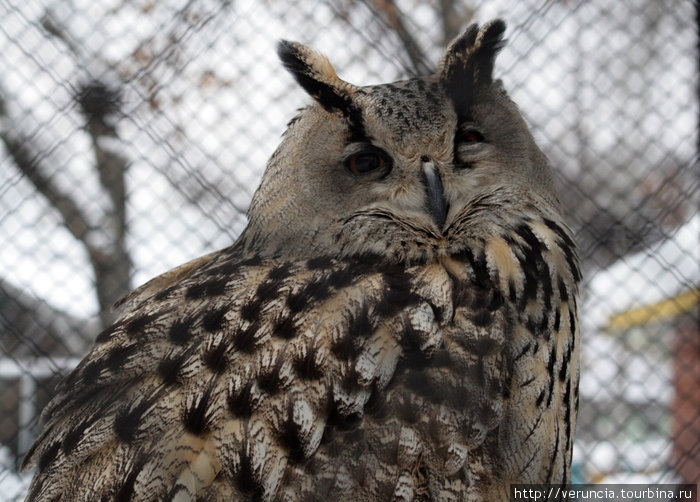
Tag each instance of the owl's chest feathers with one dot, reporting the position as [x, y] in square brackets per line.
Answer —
[520, 283]
[528, 259]
[511, 347]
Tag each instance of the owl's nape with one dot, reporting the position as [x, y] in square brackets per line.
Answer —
[398, 321]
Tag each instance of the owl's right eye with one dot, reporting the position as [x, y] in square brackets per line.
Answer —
[472, 136]
[368, 160]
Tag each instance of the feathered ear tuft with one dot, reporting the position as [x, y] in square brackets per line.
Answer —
[317, 76]
[468, 62]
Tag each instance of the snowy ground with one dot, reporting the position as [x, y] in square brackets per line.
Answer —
[13, 486]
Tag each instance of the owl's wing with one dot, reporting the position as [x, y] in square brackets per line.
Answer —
[256, 379]
[163, 281]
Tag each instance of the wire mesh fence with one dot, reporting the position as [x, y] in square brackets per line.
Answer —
[135, 132]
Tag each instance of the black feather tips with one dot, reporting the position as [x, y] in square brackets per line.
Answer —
[316, 75]
[468, 62]
[318, 78]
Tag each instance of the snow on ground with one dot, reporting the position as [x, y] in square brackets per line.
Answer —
[13, 487]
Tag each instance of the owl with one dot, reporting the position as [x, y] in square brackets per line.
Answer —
[398, 321]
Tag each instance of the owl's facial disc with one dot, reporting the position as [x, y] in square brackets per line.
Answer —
[437, 206]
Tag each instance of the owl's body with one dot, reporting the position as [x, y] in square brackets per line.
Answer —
[397, 322]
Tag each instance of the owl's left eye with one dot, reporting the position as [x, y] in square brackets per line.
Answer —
[366, 161]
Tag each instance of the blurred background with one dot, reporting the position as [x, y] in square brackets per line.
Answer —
[133, 134]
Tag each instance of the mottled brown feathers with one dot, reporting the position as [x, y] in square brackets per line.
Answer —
[353, 344]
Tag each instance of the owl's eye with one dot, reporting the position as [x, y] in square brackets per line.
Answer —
[471, 136]
[367, 161]
[469, 144]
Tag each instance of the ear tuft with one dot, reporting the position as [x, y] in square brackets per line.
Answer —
[316, 75]
[468, 62]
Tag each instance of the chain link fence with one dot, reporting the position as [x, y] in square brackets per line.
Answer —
[135, 132]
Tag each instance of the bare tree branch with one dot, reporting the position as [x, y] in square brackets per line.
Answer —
[396, 20]
[29, 163]
[99, 104]
[57, 31]
[452, 22]
[111, 264]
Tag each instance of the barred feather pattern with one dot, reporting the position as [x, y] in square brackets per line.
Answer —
[359, 378]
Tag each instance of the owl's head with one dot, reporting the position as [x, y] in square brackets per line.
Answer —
[393, 169]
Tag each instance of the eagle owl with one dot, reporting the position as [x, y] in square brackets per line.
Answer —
[398, 321]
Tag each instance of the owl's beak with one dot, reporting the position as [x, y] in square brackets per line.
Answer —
[436, 194]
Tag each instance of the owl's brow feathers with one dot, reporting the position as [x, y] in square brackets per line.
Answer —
[316, 75]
